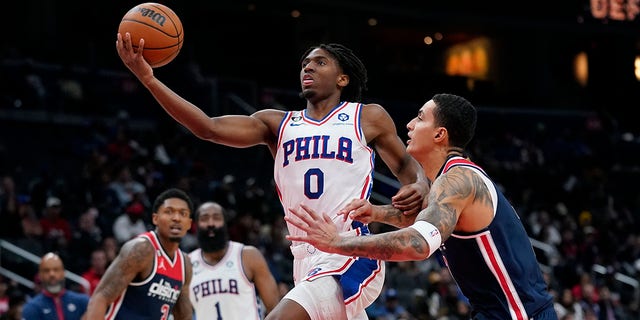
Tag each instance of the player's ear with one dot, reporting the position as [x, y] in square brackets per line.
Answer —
[440, 133]
[343, 80]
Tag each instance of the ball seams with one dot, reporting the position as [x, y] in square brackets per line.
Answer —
[156, 28]
[169, 16]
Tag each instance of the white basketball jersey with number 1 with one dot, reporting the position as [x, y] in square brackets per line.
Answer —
[323, 163]
[222, 291]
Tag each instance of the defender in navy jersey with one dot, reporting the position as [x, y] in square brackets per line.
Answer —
[335, 130]
[481, 237]
[149, 278]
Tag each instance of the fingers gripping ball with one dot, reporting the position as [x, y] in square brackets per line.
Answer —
[160, 28]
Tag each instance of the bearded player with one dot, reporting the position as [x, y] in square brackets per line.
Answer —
[226, 273]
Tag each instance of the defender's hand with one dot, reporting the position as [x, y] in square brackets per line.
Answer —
[320, 230]
[411, 198]
[359, 210]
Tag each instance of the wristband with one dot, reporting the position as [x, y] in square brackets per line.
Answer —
[430, 233]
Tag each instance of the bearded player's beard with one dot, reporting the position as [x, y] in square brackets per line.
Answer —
[215, 242]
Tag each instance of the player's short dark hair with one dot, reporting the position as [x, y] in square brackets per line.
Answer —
[172, 193]
[456, 114]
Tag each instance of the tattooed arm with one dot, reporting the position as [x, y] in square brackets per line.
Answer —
[451, 194]
[135, 259]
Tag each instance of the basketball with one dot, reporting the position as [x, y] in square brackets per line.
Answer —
[160, 28]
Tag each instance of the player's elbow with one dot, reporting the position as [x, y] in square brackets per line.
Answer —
[203, 133]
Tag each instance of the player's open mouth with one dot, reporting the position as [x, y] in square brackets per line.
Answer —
[307, 80]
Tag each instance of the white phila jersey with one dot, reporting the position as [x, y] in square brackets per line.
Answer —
[222, 291]
[324, 163]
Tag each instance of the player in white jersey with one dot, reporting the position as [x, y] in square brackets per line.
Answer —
[226, 273]
[330, 74]
[311, 154]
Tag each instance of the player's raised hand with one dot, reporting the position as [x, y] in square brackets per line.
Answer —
[320, 230]
[132, 58]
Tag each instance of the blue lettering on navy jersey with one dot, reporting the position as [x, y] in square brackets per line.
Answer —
[317, 147]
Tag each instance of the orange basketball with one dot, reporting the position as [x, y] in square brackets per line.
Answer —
[160, 28]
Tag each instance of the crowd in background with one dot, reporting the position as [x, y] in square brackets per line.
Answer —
[82, 190]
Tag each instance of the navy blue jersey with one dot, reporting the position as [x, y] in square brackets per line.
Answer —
[154, 297]
[496, 268]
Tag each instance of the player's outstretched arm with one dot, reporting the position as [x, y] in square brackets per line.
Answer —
[135, 257]
[233, 130]
[450, 194]
[321, 232]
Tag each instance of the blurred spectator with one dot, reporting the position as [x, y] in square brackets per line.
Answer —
[30, 225]
[566, 305]
[87, 237]
[405, 278]
[589, 300]
[253, 200]
[111, 248]
[125, 187]
[97, 269]
[55, 302]
[55, 228]
[4, 297]
[130, 224]
[17, 300]
[244, 228]
[225, 194]
[462, 311]
[609, 304]
[391, 309]
[124, 148]
[9, 203]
